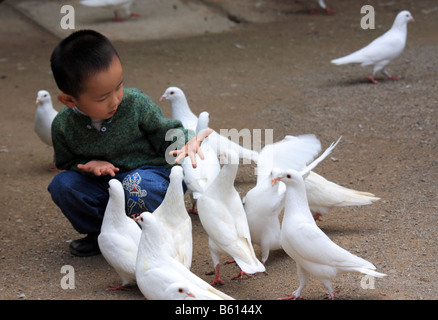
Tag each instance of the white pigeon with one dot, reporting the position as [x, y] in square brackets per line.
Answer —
[223, 217]
[312, 250]
[181, 111]
[44, 116]
[114, 5]
[382, 50]
[119, 236]
[199, 178]
[264, 202]
[175, 224]
[157, 271]
[323, 195]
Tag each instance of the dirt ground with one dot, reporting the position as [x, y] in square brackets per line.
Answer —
[272, 74]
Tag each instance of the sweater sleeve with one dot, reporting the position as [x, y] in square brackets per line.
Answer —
[65, 159]
[164, 134]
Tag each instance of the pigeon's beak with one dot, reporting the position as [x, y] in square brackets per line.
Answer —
[189, 294]
[37, 100]
[274, 181]
[163, 97]
[412, 19]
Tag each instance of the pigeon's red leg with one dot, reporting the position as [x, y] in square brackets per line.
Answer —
[114, 288]
[241, 274]
[371, 78]
[230, 261]
[194, 209]
[330, 11]
[332, 296]
[392, 78]
[217, 279]
[135, 15]
[317, 217]
[116, 17]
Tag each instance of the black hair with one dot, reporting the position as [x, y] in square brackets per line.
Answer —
[79, 56]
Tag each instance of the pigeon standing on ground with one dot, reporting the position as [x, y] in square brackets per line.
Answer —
[119, 236]
[114, 5]
[181, 111]
[44, 116]
[223, 217]
[323, 195]
[264, 202]
[203, 175]
[157, 272]
[382, 50]
[313, 251]
[175, 224]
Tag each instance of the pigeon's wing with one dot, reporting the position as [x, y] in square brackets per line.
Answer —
[313, 245]
[293, 152]
[323, 194]
[119, 251]
[219, 222]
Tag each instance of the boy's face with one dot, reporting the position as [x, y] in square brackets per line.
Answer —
[103, 92]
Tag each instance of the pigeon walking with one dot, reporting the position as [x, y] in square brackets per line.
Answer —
[380, 52]
[115, 5]
[159, 275]
[312, 250]
[119, 236]
[223, 217]
[44, 116]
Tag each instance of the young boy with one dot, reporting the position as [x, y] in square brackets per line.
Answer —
[105, 132]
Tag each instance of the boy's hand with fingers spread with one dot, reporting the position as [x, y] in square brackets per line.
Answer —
[99, 168]
[192, 148]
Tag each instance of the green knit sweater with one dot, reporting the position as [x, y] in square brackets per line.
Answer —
[134, 136]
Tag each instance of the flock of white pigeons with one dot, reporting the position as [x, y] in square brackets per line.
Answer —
[157, 257]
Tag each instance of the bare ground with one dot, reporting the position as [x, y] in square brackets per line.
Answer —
[260, 75]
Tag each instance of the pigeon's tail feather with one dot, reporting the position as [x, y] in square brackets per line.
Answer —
[247, 260]
[370, 272]
[351, 197]
[355, 57]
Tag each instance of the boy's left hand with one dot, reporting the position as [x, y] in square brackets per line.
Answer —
[192, 148]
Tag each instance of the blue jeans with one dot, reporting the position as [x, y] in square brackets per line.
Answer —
[83, 199]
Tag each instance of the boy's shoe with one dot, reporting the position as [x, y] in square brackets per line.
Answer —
[85, 247]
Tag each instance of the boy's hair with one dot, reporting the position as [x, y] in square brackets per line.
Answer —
[79, 56]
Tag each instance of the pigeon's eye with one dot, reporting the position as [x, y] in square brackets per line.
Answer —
[45, 95]
[172, 92]
[288, 176]
[180, 290]
[141, 218]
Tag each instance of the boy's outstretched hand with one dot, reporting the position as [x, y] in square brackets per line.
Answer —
[99, 168]
[192, 148]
